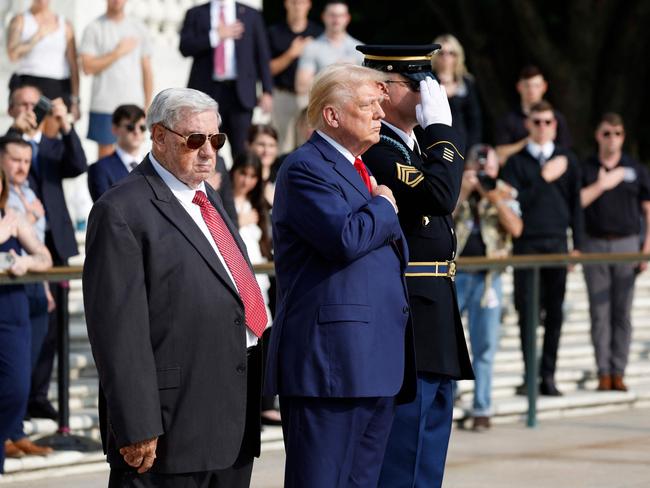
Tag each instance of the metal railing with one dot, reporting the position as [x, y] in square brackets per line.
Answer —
[534, 262]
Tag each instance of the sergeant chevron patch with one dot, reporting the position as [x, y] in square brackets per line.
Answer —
[447, 154]
[409, 175]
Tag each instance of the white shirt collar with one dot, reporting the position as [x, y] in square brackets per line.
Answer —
[180, 190]
[536, 150]
[126, 158]
[36, 138]
[409, 139]
[346, 154]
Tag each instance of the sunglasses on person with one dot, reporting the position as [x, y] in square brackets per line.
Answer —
[412, 84]
[617, 133]
[539, 122]
[196, 140]
[133, 127]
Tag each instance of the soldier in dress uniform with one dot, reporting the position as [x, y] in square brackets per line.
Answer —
[424, 174]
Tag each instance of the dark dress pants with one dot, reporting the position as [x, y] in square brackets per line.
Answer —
[552, 286]
[235, 118]
[335, 442]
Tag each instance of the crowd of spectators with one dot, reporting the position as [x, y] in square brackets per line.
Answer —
[521, 196]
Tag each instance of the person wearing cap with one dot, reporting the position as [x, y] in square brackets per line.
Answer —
[425, 177]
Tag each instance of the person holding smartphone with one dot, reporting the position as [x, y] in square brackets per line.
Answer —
[615, 196]
[53, 159]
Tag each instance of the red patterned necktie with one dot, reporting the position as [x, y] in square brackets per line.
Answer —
[249, 290]
[363, 172]
[220, 50]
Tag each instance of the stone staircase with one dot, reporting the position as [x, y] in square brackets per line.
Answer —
[576, 376]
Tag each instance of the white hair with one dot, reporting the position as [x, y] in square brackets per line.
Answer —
[171, 104]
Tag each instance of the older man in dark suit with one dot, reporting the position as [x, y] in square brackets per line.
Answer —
[230, 49]
[54, 159]
[174, 313]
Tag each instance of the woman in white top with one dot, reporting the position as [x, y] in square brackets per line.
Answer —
[43, 46]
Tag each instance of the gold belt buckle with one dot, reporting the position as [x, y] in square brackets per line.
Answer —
[452, 269]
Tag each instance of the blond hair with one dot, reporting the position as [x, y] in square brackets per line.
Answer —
[460, 70]
[334, 86]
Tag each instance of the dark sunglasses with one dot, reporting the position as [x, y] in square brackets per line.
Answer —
[617, 133]
[539, 122]
[195, 140]
[413, 85]
[132, 127]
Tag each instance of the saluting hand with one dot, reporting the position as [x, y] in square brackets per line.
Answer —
[434, 105]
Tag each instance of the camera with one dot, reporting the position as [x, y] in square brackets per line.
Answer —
[42, 108]
[487, 182]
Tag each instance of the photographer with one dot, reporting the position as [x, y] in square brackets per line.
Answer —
[53, 159]
[486, 217]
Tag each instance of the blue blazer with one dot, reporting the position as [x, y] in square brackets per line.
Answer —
[252, 53]
[105, 173]
[342, 327]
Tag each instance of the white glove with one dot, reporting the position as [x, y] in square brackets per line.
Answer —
[434, 106]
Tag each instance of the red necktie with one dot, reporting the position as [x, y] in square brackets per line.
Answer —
[249, 290]
[220, 50]
[363, 172]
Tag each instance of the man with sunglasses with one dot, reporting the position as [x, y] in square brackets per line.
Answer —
[424, 174]
[174, 313]
[129, 130]
[615, 195]
[547, 178]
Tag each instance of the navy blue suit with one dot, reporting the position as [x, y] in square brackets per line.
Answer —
[341, 345]
[105, 173]
[238, 98]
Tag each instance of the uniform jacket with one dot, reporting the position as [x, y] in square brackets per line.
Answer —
[57, 159]
[342, 326]
[166, 327]
[426, 188]
[252, 53]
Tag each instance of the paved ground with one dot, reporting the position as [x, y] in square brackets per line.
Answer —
[604, 451]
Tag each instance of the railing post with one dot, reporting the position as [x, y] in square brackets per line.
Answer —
[63, 360]
[532, 321]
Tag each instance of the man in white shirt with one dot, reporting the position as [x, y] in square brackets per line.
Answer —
[174, 313]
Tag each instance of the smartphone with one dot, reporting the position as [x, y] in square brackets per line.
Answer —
[6, 261]
[42, 108]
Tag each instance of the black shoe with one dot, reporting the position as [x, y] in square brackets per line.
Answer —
[548, 388]
[521, 390]
[42, 410]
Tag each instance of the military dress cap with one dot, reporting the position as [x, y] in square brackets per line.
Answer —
[413, 62]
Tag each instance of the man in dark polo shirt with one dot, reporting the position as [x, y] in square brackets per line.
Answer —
[547, 178]
[511, 132]
[287, 41]
[616, 190]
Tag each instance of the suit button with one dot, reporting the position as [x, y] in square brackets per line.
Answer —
[241, 368]
[405, 309]
[238, 321]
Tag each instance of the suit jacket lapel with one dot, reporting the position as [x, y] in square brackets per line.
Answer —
[171, 208]
[341, 165]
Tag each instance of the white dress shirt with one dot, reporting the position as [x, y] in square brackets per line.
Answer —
[184, 194]
[231, 17]
[349, 156]
[126, 158]
[545, 150]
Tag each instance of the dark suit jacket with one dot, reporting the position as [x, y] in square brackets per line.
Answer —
[342, 327]
[57, 159]
[105, 173]
[252, 53]
[166, 327]
[426, 188]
